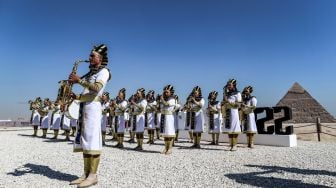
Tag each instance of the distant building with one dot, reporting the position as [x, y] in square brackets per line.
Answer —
[305, 109]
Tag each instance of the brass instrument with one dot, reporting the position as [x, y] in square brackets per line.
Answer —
[65, 89]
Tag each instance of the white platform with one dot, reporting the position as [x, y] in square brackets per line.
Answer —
[260, 139]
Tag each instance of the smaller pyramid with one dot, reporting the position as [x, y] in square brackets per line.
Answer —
[305, 109]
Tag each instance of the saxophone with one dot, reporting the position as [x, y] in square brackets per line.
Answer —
[65, 89]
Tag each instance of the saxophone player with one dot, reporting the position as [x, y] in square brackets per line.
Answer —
[215, 118]
[157, 116]
[187, 109]
[231, 103]
[89, 139]
[177, 116]
[249, 123]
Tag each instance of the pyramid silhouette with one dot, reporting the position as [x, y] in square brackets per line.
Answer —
[305, 109]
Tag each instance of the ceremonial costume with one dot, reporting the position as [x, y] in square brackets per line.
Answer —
[120, 117]
[150, 116]
[139, 117]
[167, 104]
[56, 119]
[249, 123]
[214, 117]
[197, 118]
[35, 116]
[73, 124]
[89, 139]
[189, 113]
[231, 104]
[157, 117]
[44, 112]
[177, 115]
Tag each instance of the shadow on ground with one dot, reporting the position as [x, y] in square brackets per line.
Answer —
[258, 179]
[42, 170]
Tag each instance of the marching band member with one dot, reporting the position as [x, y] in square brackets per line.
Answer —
[131, 123]
[88, 139]
[249, 105]
[120, 106]
[44, 117]
[177, 115]
[73, 124]
[35, 117]
[167, 103]
[215, 117]
[230, 105]
[197, 118]
[187, 109]
[157, 117]
[65, 125]
[105, 110]
[56, 118]
[150, 116]
[139, 117]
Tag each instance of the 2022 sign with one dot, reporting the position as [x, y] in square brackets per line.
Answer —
[277, 128]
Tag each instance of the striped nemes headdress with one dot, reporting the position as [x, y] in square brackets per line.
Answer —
[232, 81]
[123, 91]
[142, 91]
[213, 94]
[248, 89]
[170, 88]
[107, 94]
[102, 50]
[198, 89]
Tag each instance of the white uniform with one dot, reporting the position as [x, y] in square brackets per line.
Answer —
[232, 123]
[121, 116]
[36, 118]
[150, 110]
[45, 120]
[249, 123]
[199, 118]
[73, 122]
[217, 118]
[177, 115]
[90, 140]
[56, 120]
[105, 115]
[168, 124]
[140, 116]
[65, 122]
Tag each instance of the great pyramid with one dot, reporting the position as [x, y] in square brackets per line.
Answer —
[305, 109]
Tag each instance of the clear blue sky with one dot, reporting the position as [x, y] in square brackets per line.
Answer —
[268, 44]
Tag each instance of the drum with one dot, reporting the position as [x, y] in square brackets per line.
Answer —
[73, 110]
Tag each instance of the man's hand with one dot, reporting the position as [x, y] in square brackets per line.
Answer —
[73, 78]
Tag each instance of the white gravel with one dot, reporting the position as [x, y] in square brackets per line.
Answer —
[35, 162]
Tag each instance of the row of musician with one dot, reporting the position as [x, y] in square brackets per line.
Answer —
[233, 115]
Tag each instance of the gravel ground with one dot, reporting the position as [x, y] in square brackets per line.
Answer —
[35, 162]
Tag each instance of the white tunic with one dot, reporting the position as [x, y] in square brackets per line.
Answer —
[104, 120]
[56, 118]
[168, 124]
[232, 125]
[45, 120]
[150, 109]
[121, 116]
[90, 140]
[73, 122]
[65, 123]
[217, 119]
[199, 118]
[140, 116]
[249, 125]
[36, 118]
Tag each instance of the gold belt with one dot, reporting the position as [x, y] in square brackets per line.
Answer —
[166, 112]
